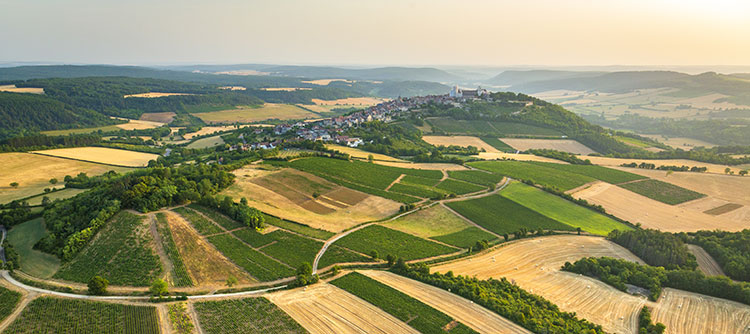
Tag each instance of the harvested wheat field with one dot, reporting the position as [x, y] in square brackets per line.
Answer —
[686, 144]
[285, 89]
[102, 155]
[686, 312]
[653, 214]
[161, 117]
[357, 101]
[136, 124]
[617, 162]
[207, 130]
[516, 156]
[476, 317]
[323, 308]
[534, 264]
[233, 88]
[250, 114]
[422, 165]
[360, 154]
[706, 263]
[564, 145]
[729, 188]
[14, 89]
[325, 82]
[205, 265]
[33, 172]
[291, 194]
[463, 141]
[152, 95]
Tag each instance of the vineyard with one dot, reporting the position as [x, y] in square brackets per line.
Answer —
[297, 227]
[201, 224]
[180, 319]
[179, 271]
[663, 192]
[224, 221]
[539, 174]
[8, 301]
[501, 215]
[459, 187]
[415, 313]
[55, 315]
[249, 315]
[476, 176]
[257, 264]
[387, 241]
[121, 253]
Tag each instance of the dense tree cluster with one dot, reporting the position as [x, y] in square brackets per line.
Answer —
[504, 298]
[683, 168]
[730, 249]
[14, 213]
[646, 325]
[615, 271]
[240, 212]
[656, 248]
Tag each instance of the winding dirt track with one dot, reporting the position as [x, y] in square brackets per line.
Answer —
[460, 309]
[324, 308]
[706, 263]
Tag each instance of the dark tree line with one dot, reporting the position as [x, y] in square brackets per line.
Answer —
[730, 249]
[250, 217]
[656, 248]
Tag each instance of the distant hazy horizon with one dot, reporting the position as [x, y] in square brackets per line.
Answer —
[440, 33]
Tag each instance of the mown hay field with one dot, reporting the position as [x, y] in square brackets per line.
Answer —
[33, 172]
[132, 124]
[323, 308]
[686, 312]
[360, 154]
[14, 89]
[534, 265]
[152, 95]
[463, 141]
[564, 145]
[102, 155]
[298, 196]
[251, 114]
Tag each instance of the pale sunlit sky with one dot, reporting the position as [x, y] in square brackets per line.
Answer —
[383, 32]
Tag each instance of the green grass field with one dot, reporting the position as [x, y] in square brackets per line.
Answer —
[8, 301]
[56, 315]
[501, 215]
[416, 314]
[387, 241]
[662, 191]
[248, 315]
[561, 210]
[60, 194]
[459, 187]
[539, 174]
[438, 223]
[201, 224]
[179, 271]
[476, 177]
[121, 252]
[255, 263]
[106, 128]
[33, 262]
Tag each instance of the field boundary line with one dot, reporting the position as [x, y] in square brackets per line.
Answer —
[397, 180]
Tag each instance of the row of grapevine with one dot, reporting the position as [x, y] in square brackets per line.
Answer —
[249, 315]
[179, 271]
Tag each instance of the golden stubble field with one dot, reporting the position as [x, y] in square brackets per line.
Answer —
[153, 95]
[323, 308]
[14, 89]
[245, 114]
[463, 310]
[534, 264]
[463, 141]
[564, 145]
[33, 172]
[290, 194]
[102, 155]
[617, 162]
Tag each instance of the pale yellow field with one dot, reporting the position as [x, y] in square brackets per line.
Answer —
[285, 89]
[152, 95]
[131, 125]
[519, 157]
[102, 155]
[359, 101]
[325, 82]
[462, 310]
[316, 212]
[205, 265]
[534, 265]
[463, 141]
[565, 145]
[136, 124]
[686, 312]
[243, 72]
[422, 165]
[206, 130]
[686, 144]
[161, 117]
[706, 263]
[33, 172]
[256, 114]
[653, 214]
[708, 102]
[232, 88]
[323, 309]
[14, 89]
[616, 162]
[357, 153]
[206, 142]
[431, 222]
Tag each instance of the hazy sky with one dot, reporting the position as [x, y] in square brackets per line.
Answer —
[426, 32]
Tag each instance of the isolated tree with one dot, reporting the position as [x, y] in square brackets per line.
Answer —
[506, 236]
[370, 158]
[243, 201]
[743, 172]
[14, 184]
[98, 285]
[231, 281]
[391, 259]
[45, 201]
[53, 180]
[159, 288]
[335, 270]
[47, 190]
[727, 170]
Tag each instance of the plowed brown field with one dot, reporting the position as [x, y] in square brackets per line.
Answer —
[324, 308]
